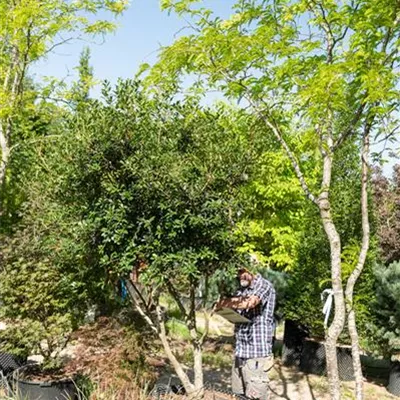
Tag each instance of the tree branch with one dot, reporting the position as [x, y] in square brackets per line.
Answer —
[331, 42]
[355, 274]
[38, 140]
[350, 129]
[168, 351]
[275, 130]
[133, 292]
[364, 213]
[159, 329]
[295, 164]
[173, 292]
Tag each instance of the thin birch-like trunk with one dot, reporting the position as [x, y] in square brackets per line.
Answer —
[4, 133]
[5, 154]
[355, 346]
[337, 325]
[10, 87]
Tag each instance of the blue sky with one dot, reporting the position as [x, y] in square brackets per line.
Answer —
[142, 30]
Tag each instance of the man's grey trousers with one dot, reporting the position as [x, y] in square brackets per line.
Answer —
[250, 377]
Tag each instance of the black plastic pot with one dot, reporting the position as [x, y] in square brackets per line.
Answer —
[394, 379]
[9, 363]
[54, 390]
[313, 360]
[293, 339]
[345, 364]
[375, 367]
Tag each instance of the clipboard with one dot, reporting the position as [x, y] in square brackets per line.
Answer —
[232, 316]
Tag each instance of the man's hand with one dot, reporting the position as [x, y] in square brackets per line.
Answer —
[223, 303]
[239, 303]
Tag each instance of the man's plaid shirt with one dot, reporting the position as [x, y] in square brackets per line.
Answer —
[254, 339]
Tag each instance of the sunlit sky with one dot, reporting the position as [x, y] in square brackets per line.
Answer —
[142, 30]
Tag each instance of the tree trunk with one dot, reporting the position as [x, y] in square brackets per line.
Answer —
[4, 134]
[195, 390]
[196, 346]
[355, 347]
[336, 328]
[5, 154]
[198, 370]
[10, 90]
[338, 322]
[171, 356]
[159, 328]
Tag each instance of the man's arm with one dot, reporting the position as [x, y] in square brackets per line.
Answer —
[239, 303]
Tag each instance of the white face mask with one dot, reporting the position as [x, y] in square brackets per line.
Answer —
[244, 283]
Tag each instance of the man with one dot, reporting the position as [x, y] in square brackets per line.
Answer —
[255, 300]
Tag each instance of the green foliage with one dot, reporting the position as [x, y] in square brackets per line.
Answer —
[274, 221]
[134, 178]
[38, 121]
[33, 28]
[177, 330]
[280, 281]
[385, 326]
[277, 52]
[80, 90]
[156, 182]
[30, 31]
[40, 305]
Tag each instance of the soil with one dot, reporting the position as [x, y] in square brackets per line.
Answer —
[285, 384]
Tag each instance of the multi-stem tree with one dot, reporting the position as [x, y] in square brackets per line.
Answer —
[144, 180]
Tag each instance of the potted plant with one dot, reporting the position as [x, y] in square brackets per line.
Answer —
[293, 342]
[304, 346]
[41, 311]
[9, 362]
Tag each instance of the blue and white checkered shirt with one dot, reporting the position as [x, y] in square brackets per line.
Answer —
[254, 339]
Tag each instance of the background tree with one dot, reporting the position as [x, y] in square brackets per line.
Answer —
[385, 323]
[40, 304]
[31, 30]
[81, 89]
[285, 231]
[273, 225]
[387, 210]
[325, 70]
[385, 327]
[38, 120]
